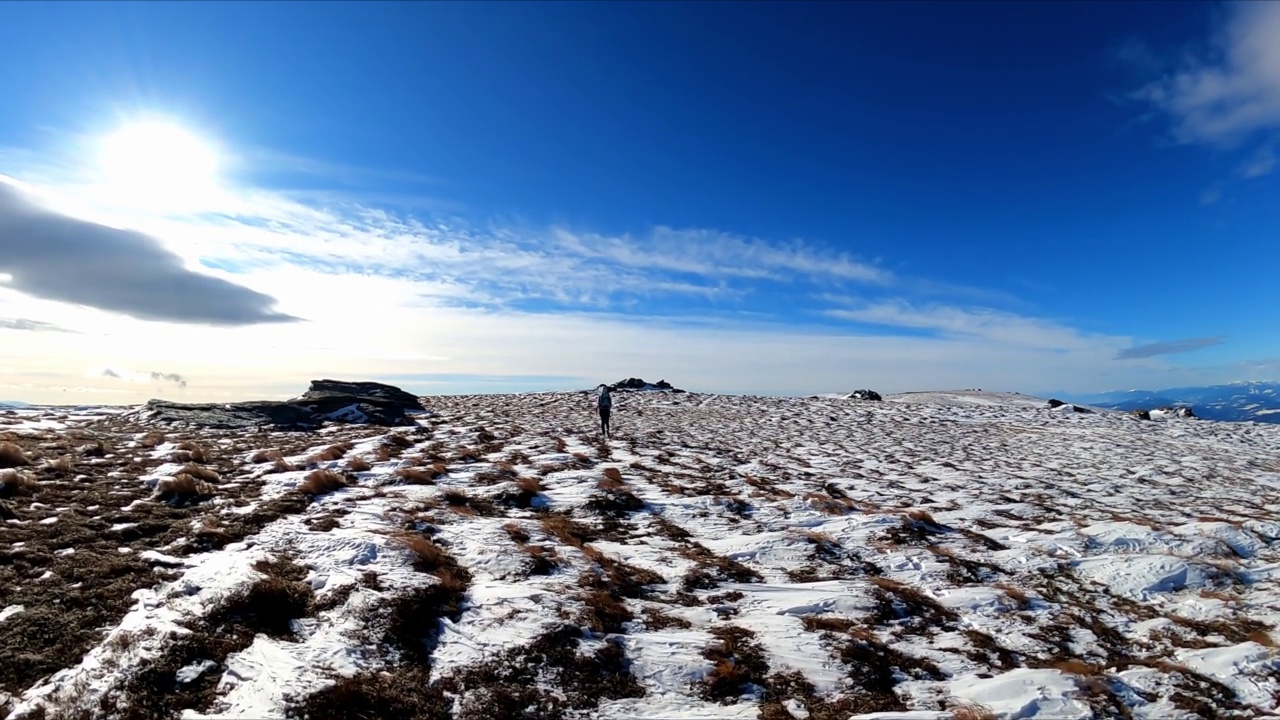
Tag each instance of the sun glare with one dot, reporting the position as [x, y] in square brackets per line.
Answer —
[158, 163]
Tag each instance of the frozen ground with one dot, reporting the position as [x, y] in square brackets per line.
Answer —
[937, 555]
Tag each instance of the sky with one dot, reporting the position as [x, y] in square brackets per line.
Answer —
[217, 201]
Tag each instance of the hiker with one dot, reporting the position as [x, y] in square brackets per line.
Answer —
[604, 403]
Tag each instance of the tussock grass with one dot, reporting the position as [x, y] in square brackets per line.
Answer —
[428, 556]
[398, 440]
[358, 464]
[193, 452]
[202, 473]
[282, 466]
[151, 439]
[266, 455]
[182, 489]
[12, 456]
[517, 534]
[738, 663]
[14, 483]
[64, 465]
[329, 454]
[320, 482]
[416, 476]
[971, 711]
[95, 449]
[568, 530]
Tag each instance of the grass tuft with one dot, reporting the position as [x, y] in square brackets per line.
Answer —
[14, 483]
[319, 482]
[12, 456]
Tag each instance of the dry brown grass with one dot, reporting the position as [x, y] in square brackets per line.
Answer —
[14, 483]
[567, 530]
[829, 505]
[1076, 666]
[64, 465]
[282, 466]
[739, 662]
[529, 485]
[182, 489]
[460, 502]
[96, 449]
[1014, 593]
[612, 479]
[827, 623]
[12, 456]
[417, 476]
[398, 440]
[517, 534]
[319, 482]
[1262, 637]
[189, 452]
[151, 439]
[428, 556]
[971, 711]
[266, 455]
[358, 464]
[329, 454]
[923, 516]
[202, 473]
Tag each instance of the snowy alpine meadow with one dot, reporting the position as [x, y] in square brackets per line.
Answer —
[934, 555]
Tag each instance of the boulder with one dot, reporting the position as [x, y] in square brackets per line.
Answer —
[1055, 403]
[1140, 414]
[865, 395]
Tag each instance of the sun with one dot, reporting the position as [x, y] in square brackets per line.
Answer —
[157, 162]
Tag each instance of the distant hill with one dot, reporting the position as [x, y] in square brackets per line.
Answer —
[1256, 401]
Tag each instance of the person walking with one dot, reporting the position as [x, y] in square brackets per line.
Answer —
[604, 403]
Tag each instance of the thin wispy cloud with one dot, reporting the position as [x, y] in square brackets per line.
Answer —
[24, 324]
[1228, 94]
[983, 323]
[1172, 347]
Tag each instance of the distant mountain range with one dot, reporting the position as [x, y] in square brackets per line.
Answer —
[1257, 401]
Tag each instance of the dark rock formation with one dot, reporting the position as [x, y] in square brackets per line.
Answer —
[1055, 403]
[865, 395]
[634, 384]
[1140, 414]
[332, 400]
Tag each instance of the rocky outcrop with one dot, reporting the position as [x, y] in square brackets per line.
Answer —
[865, 395]
[1055, 403]
[637, 384]
[367, 403]
[1140, 414]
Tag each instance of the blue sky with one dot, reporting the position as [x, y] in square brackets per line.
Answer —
[1028, 196]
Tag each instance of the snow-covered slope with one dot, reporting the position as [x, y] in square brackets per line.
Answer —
[722, 557]
[969, 397]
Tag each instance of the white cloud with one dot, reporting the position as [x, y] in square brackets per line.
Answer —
[1230, 93]
[390, 295]
[977, 323]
